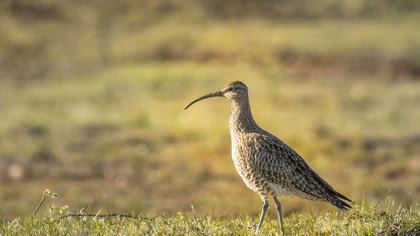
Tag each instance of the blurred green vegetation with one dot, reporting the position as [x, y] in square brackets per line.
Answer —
[47, 38]
[91, 99]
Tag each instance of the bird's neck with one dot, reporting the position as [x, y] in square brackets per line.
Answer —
[241, 119]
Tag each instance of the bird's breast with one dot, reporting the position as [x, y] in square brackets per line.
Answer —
[236, 152]
[242, 157]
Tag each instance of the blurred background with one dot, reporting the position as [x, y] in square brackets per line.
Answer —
[92, 96]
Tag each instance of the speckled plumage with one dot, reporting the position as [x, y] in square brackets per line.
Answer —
[270, 167]
[266, 164]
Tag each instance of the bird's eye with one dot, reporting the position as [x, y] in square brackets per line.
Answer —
[230, 89]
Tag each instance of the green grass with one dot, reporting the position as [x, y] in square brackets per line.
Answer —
[378, 220]
[92, 97]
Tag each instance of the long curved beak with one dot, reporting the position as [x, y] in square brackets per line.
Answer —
[210, 95]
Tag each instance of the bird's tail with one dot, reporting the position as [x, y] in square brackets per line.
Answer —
[339, 200]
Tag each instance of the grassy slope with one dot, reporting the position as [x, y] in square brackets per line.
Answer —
[48, 47]
[359, 221]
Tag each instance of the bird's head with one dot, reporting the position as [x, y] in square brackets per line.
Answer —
[234, 91]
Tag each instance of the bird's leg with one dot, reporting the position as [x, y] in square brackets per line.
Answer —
[263, 212]
[278, 207]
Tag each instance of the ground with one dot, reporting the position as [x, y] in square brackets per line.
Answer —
[92, 98]
[378, 220]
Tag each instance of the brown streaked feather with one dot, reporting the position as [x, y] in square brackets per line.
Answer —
[235, 83]
[287, 168]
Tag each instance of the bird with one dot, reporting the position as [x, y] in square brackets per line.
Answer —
[266, 164]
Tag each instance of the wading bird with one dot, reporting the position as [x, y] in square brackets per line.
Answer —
[266, 164]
